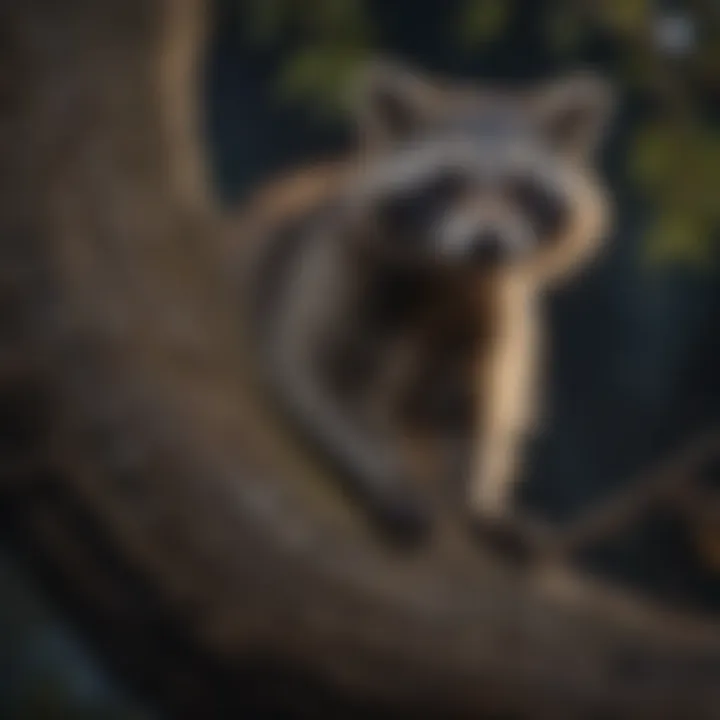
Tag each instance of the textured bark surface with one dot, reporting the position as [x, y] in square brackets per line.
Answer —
[202, 553]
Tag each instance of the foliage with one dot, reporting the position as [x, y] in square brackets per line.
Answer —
[664, 57]
[329, 39]
[483, 20]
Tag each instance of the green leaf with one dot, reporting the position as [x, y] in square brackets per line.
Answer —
[626, 16]
[483, 20]
[564, 29]
[336, 22]
[652, 155]
[348, 16]
[304, 72]
[679, 239]
[266, 19]
[320, 75]
[705, 172]
[707, 60]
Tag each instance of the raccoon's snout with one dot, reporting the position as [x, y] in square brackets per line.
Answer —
[489, 247]
[485, 243]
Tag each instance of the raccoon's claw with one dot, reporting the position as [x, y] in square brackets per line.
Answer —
[505, 537]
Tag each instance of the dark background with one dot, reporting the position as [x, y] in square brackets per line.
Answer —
[635, 343]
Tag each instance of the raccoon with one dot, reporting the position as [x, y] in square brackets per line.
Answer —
[395, 293]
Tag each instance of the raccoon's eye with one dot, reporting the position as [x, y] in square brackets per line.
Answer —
[546, 209]
[413, 208]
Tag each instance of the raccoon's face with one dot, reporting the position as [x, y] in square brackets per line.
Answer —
[481, 180]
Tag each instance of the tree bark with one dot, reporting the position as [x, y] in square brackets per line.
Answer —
[202, 553]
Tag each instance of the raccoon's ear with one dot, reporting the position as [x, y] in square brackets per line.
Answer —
[392, 101]
[574, 113]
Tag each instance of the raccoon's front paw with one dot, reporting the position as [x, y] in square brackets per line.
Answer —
[494, 524]
[505, 537]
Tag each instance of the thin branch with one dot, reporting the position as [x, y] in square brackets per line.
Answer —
[652, 488]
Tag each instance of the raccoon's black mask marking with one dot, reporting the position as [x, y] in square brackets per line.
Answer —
[467, 215]
[409, 215]
[545, 207]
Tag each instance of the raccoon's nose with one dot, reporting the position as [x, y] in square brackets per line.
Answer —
[487, 246]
